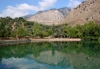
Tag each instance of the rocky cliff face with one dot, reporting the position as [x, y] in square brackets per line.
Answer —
[88, 10]
[49, 17]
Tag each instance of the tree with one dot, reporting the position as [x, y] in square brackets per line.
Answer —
[21, 31]
[50, 32]
[36, 30]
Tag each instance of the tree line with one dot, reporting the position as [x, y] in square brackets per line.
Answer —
[19, 27]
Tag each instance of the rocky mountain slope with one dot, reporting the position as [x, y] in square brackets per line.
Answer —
[49, 17]
[27, 16]
[88, 10]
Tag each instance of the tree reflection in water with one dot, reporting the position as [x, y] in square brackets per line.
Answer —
[72, 55]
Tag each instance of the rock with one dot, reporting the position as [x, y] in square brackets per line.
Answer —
[88, 10]
[50, 17]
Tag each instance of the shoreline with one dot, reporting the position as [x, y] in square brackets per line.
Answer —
[33, 40]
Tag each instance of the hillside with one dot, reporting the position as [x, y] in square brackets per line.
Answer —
[50, 17]
[88, 10]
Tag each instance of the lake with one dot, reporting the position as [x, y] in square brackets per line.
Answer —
[51, 55]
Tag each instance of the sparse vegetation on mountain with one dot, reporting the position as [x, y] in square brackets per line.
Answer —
[88, 10]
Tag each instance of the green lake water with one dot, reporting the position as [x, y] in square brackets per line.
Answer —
[52, 55]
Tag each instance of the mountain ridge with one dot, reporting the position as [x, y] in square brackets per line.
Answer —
[50, 17]
[88, 10]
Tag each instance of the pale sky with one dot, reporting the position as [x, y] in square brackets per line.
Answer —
[17, 8]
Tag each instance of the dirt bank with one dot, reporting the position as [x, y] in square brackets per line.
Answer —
[5, 42]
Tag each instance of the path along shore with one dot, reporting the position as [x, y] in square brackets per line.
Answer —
[32, 40]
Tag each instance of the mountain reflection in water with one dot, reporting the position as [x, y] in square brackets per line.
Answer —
[24, 63]
[55, 55]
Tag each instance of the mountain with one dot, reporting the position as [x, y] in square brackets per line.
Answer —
[50, 17]
[88, 10]
[27, 16]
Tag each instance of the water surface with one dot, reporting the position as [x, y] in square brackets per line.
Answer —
[55, 55]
